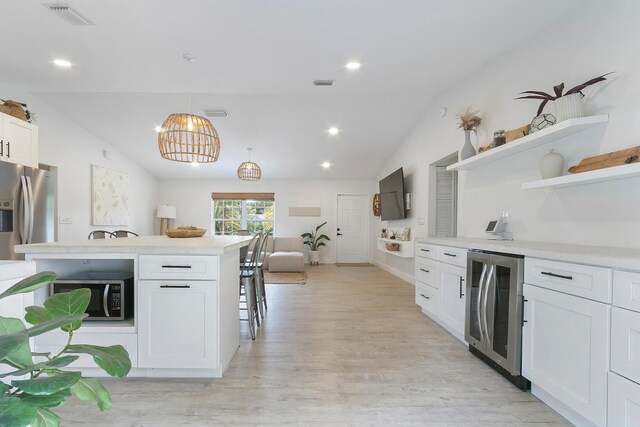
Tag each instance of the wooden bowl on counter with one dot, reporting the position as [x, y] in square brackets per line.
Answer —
[186, 232]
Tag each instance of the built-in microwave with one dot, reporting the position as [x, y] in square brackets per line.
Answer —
[111, 294]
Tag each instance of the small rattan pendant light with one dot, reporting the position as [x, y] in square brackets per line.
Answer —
[249, 171]
[185, 137]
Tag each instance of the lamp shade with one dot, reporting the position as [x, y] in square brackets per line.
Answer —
[188, 138]
[166, 211]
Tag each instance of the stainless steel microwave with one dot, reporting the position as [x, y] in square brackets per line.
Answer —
[111, 295]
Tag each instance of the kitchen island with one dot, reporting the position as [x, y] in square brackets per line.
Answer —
[184, 319]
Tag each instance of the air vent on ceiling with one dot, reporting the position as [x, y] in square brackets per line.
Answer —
[68, 13]
[324, 82]
[216, 112]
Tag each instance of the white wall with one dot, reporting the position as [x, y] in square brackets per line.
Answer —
[73, 150]
[192, 199]
[600, 37]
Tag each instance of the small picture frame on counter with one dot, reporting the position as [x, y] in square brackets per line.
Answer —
[406, 234]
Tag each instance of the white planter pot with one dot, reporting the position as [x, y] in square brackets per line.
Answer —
[314, 257]
[551, 165]
[569, 107]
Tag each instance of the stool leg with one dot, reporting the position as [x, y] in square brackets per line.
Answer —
[259, 291]
[264, 292]
[250, 296]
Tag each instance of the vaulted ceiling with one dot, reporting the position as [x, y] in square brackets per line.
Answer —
[257, 59]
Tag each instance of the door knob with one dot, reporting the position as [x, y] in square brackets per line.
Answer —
[339, 234]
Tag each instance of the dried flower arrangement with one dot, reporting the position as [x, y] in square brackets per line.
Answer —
[469, 119]
[557, 90]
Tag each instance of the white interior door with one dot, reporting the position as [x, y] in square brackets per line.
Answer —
[353, 228]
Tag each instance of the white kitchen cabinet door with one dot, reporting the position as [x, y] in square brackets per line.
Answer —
[177, 324]
[565, 344]
[19, 141]
[452, 298]
[625, 343]
[624, 402]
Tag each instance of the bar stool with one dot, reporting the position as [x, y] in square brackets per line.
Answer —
[101, 234]
[248, 284]
[260, 288]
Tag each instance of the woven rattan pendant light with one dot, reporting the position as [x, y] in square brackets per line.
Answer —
[185, 137]
[249, 171]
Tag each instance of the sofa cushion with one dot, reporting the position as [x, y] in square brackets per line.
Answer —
[294, 244]
[286, 261]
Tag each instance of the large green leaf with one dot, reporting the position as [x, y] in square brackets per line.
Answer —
[46, 418]
[92, 389]
[69, 303]
[21, 355]
[30, 283]
[114, 360]
[50, 401]
[58, 362]
[36, 315]
[11, 343]
[49, 385]
[54, 324]
[16, 413]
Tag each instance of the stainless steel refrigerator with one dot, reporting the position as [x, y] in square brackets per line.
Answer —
[27, 207]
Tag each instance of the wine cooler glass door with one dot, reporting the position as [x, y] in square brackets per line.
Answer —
[477, 274]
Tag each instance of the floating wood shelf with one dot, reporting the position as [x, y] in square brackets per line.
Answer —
[406, 247]
[600, 175]
[545, 136]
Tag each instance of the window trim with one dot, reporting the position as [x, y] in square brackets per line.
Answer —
[243, 213]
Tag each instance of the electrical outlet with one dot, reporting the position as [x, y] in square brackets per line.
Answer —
[421, 220]
[64, 220]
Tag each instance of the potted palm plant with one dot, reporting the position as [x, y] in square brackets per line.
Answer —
[315, 242]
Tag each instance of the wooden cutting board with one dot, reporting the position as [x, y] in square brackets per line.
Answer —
[615, 158]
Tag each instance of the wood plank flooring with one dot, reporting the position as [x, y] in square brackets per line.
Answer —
[349, 348]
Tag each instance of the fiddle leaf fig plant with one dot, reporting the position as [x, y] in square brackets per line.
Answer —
[30, 389]
[314, 240]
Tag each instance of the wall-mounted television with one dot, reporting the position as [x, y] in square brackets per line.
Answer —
[392, 196]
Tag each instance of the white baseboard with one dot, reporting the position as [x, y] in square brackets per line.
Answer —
[404, 276]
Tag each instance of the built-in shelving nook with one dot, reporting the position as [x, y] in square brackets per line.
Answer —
[405, 251]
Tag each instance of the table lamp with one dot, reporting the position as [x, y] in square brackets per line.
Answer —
[165, 212]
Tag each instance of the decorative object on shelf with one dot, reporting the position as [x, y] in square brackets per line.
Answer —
[602, 161]
[165, 213]
[185, 232]
[249, 171]
[30, 401]
[186, 137]
[315, 242]
[569, 108]
[394, 235]
[16, 109]
[393, 247]
[468, 121]
[510, 135]
[499, 138]
[109, 196]
[542, 121]
[406, 233]
[551, 165]
[384, 233]
[377, 207]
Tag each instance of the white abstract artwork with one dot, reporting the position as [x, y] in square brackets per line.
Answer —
[109, 196]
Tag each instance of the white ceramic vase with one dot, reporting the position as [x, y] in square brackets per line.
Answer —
[551, 165]
[467, 149]
[314, 257]
[569, 107]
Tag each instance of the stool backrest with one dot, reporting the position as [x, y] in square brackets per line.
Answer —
[125, 233]
[253, 244]
[100, 234]
[263, 248]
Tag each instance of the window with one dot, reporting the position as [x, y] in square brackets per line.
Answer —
[231, 215]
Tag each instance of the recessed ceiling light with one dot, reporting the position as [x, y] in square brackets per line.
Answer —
[326, 165]
[195, 164]
[333, 130]
[353, 65]
[62, 63]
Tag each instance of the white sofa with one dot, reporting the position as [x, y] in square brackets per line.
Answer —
[285, 254]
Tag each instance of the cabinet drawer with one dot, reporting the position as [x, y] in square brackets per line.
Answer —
[575, 279]
[428, 298]
[453, 256]
[425, 250]
[178, 267]
[625, 343]
[624, 402]
[626, 290]
[53, 342]
[427, 271]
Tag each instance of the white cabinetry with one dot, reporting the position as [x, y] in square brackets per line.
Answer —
[624, 402]
[19, 141]
[177, 324]
[452, 298]
[565, 350]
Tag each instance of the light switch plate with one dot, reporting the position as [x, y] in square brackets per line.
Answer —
[64, 220]
[421, 220]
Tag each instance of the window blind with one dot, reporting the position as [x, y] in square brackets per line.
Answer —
[244, 196]
[446, 202]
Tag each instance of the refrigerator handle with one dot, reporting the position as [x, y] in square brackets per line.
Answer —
[479, 303]
[24, 205]
[31, 210]
[1, 147]
[484, 308]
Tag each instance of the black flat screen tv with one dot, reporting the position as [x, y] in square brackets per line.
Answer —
[392, 196]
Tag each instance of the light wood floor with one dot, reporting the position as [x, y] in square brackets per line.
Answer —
[349, 348]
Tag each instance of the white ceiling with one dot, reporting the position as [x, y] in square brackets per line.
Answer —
[257, 58]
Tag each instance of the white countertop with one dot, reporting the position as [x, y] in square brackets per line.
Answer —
[622, 258]
[15, 269]
[159, 245]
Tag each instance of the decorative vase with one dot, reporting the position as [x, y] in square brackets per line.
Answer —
[551, 165]
[569, 107]
[467, 149]
[314, 257]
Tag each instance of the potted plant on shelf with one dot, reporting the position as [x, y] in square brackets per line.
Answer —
[384, 233]
[568, 105]
[394, 235]
[315, 242]
[29, 401]
[468, 121]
